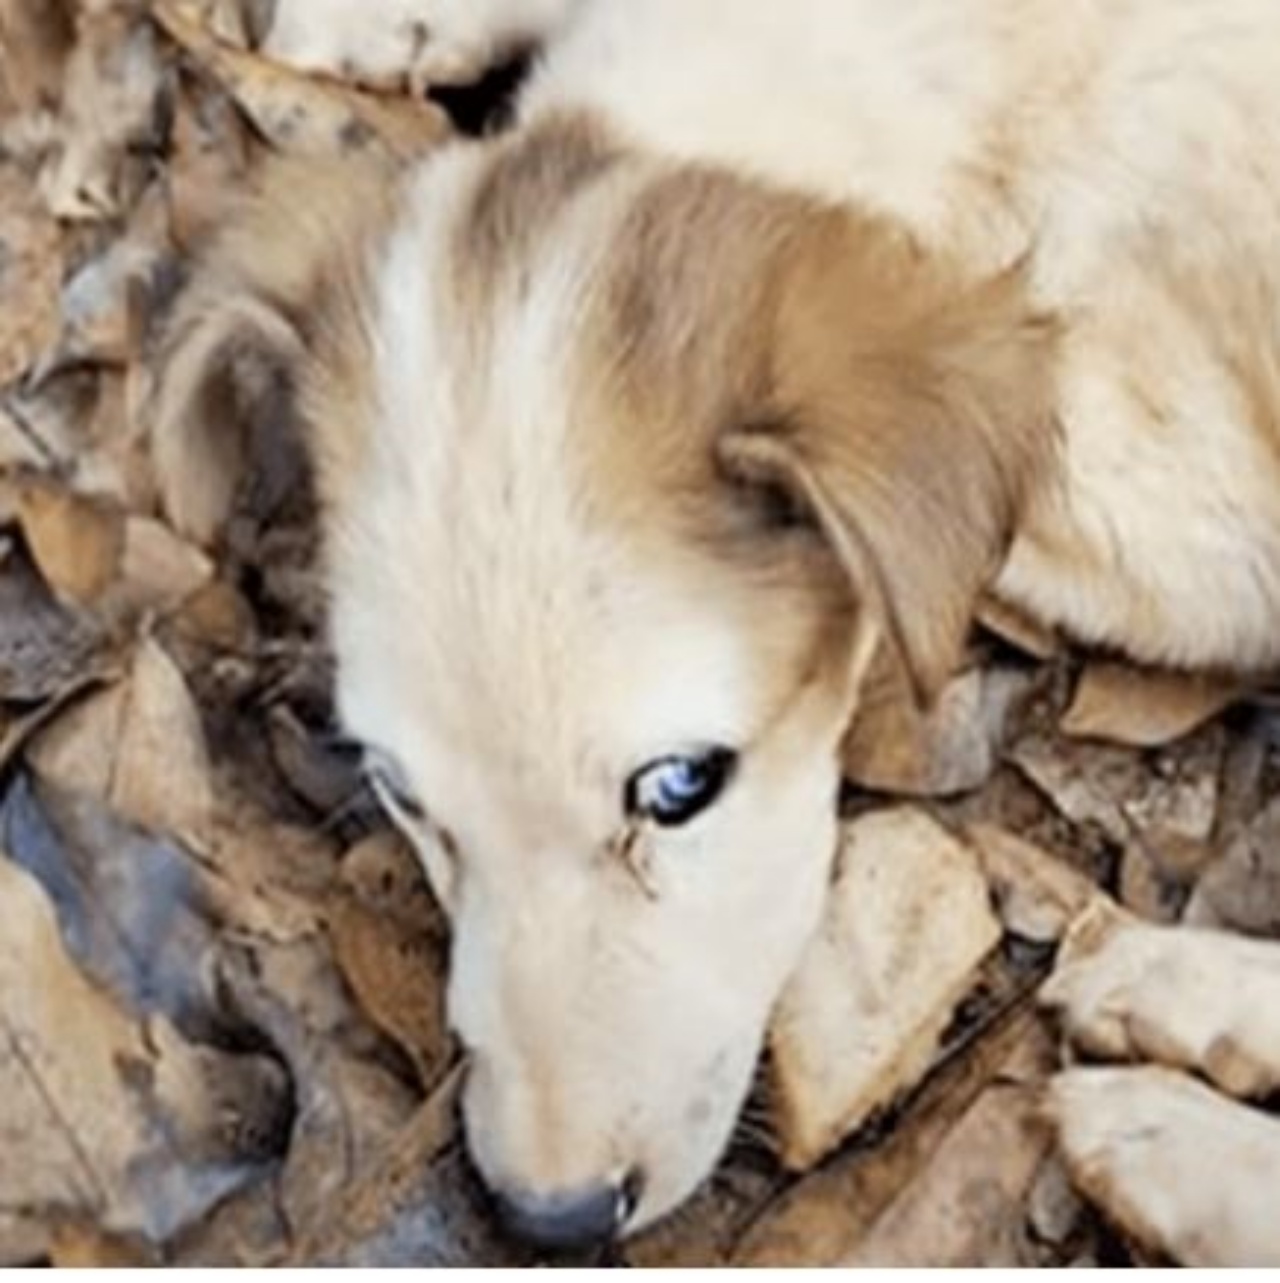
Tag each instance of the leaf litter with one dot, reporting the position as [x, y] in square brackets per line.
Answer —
[221, 975]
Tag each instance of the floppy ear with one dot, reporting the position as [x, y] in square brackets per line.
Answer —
[227, 380]
[910, 414]
[272, 314]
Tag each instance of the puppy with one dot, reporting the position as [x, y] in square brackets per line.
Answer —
[668, 441]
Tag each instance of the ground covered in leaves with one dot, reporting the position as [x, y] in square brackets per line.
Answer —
[221, 1037]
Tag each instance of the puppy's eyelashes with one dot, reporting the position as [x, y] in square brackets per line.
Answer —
[672, 791]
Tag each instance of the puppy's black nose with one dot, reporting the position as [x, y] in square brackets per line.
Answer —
[563, 1222]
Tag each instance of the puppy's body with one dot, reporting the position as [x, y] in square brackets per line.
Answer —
[693, 417]
[1129, 153]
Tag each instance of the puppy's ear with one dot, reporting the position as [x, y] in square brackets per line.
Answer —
[229, 377]
[273, 311]
[910, 414]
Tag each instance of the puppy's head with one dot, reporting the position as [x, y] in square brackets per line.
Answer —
[638, 484]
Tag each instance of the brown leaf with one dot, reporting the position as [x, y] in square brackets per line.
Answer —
[271, 880]
[99, 1113]
[824, 1218]
[1241, 890]
[1145, 708]
[952, 750]
[1150, 886]
[137, 747]
[31, 251]
[706, 1230]
[110, 110]
[159, 571]
[54, 419]
[20, 449]
[414, 1206]
[81, 1245]
[907, 926]
[350, 1107]
[216, 617]
[389, 941]
[45, 648]
[967, 1208]
[102, 306]
[77, 542]
[1037, 895]
[36, 37]
[1170, 798]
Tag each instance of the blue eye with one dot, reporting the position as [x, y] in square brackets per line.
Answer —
[672, 790]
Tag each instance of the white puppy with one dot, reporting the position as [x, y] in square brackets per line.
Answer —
[670, 437]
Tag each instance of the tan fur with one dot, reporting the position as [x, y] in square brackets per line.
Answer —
[771, 341]
[520, 191]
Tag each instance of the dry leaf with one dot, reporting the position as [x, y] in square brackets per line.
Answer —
[350, 1108]
[100, 1114]
[31, 252]
[1160, 807]
[77, 542]
[907, 926]
[953, 750]
[1150, 887]
[110, 110]
[706, 1230]
[130, 906]
[1144, 708]
[822, 1219]
[271, 880]
[967, 1209]
[45, 648]
[55, 418]
[103, 304]
[325, 777]
[138, 747]
[415, 1206]
[36, 37]
[159, 571]
[81, 1245]
[216, 616]
[230, 21]
[1241, 890]
[1037, 895]
[1054, 1210]
[1168, 800]
[20, 449]
[390, 942]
